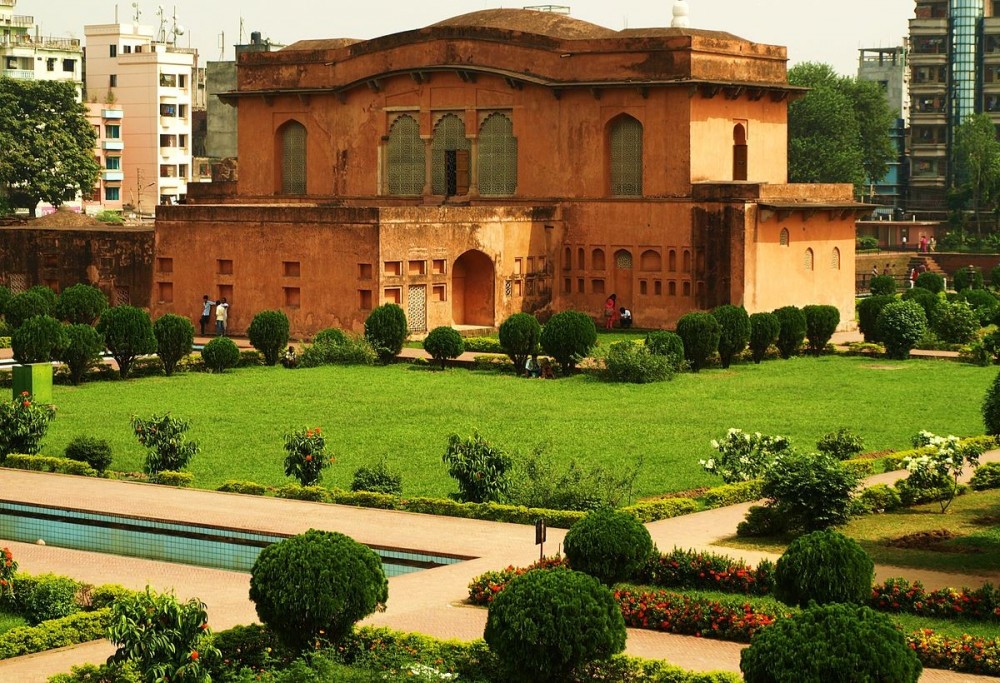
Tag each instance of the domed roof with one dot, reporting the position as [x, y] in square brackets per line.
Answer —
[548, 24]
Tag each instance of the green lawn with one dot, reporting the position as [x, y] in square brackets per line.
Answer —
[9, 621]
[406, 413]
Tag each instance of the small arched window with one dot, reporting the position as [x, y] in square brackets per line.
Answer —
[407, 170]
[739, 152]
[835, 259]
[579, 258]
[567, 258]
[293, 158]
[687, 261]
[650, 261]
[597, 259]
[497, 156]
[626, 157]
[783, 238]
[809, 260]
[672, 261]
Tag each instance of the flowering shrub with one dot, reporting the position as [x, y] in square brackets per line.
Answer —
[23, 423]
[744, 456]
[484, 587]
[164, 437]
[306, 459]
[900, 595]
[941, 469]
[968, 653]
[706, 571]
[7, 569]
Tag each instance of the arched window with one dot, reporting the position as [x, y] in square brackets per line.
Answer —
[567, 258]
[623, 260]
[835, 259]
[450, 157]
[672, 261]
[293, 158]
[687, 261]
[406, 157]
[626, 157]
[650, 261]
[809, 260]
[783, 237]
[579, 258]
[497, 156]
[739, 152]
[597, 259]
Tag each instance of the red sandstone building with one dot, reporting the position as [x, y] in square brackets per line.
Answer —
[505, 161]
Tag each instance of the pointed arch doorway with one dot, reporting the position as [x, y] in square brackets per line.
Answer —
[472, 289]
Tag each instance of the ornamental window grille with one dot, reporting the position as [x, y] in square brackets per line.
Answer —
[835, 259]
[783, 237]
[407, 169]
[293, 158]
[450, 157]
[808, 260]
[497, 156]
[623, 260]
[626, 157]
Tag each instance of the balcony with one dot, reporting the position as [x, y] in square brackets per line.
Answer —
[112, 113]
[109, 175]
[18, 74]
[112, 144]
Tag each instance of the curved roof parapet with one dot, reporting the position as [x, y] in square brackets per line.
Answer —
[547, 24]
[322, 44]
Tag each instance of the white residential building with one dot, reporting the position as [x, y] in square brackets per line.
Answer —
[152, 81]
[27, 55]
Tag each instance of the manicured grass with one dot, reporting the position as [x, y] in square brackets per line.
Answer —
[9, 621]
[974, 518]
[406, 413]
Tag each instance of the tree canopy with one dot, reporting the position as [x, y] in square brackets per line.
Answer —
[47, 141]
[839, 132]
[977, 163]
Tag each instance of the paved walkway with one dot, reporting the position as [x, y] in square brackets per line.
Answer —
[430, 602]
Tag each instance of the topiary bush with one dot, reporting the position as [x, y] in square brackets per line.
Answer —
[313, 587]
[268, 333]
[84, 346]
[881, 285]
[128, 334]
[811, 492]
[841, 444]
[868, 312]
[630, 362]
[519, 335]
[664, 343]
[48, 294]
[220, 354]
[764, 329]
[792, 331]
[444, 343]
[174, 340]
[967, 278]
[955, 322]
[830, 643]
[26, 305]
[545, 624]
[608, 544]
[821, 323]
[91, 450]
[825, 567]
[930, 281]
[991, 408]
[568, 336]
[901, 325]
[700, 333]
[81, 305]
[734, 331]
[379, 478]
[927, 300]
[39, 339]
[385, 330]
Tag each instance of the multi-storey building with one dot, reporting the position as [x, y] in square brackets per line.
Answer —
[153, 82]
[107, 120]
[27, 55]
[888, 67]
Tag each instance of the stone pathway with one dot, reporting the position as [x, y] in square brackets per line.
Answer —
[431, 602]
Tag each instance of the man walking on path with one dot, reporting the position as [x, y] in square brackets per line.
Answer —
[206, 312]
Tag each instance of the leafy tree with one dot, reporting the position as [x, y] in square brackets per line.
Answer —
[386, 330]
[734, 329]
[24, 305]
[47, 141]
[174, 339]
[481, 469]
[82, 351]
[568, 336]
[268, 333]
[81, 304]
[519, 338]
[128, 334]
[39, 340]
[700, 333]
[977, 163]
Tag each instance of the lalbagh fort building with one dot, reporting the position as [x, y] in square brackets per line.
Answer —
[503, 161]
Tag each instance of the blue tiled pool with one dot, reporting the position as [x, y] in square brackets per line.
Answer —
[204, 546]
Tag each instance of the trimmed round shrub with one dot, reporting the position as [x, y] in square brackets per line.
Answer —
[967, 278]
[331, 335]
[608, 544]
[315, 586]
[567, 336]
[928, 300]
[868, 312]
[880, 285]
[444, 343]
[901, 325]
[91, 450]
[81, 304]
[983, 302]
[545, 624]
[385, 330]
[955, 322]
[39, 339]
[26, 305]
[821, 323]
[664, 343]
[991, 408]
[519, 336]
[930, 281]
[734, 331]
[379, 478]
[47, 293]
[700, 333]
[764, 329]
[174, 340]
[128, 334]
[84, 346]
[630, 362]
[811, 492]
[830, 643]
[825, 567]
[268, 333]
[792, 331]
[220, 354]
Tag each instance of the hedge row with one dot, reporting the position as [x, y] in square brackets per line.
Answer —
[44, 463]
[72, 630]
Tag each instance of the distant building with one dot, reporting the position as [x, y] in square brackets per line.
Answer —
[889, 67]
[154, 83]
[27, 55]
[107, 120]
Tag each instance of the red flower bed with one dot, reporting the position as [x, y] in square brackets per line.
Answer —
[900, 595]
[707, 571]
[485, 586]
[968, 653]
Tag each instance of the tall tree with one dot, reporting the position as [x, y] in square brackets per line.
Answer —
[977, 163]
[838, 132]
[47, 143]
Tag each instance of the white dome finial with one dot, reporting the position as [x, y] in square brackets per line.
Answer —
[680, 19]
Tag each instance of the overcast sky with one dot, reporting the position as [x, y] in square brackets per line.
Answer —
[829, 31]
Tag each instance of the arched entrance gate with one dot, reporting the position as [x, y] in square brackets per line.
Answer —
[473, 287]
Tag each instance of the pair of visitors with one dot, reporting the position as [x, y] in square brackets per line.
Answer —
[221, 317]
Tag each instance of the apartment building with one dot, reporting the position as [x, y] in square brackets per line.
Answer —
[889, 68]
[27, 55]
[107, 120]
[152, 81]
